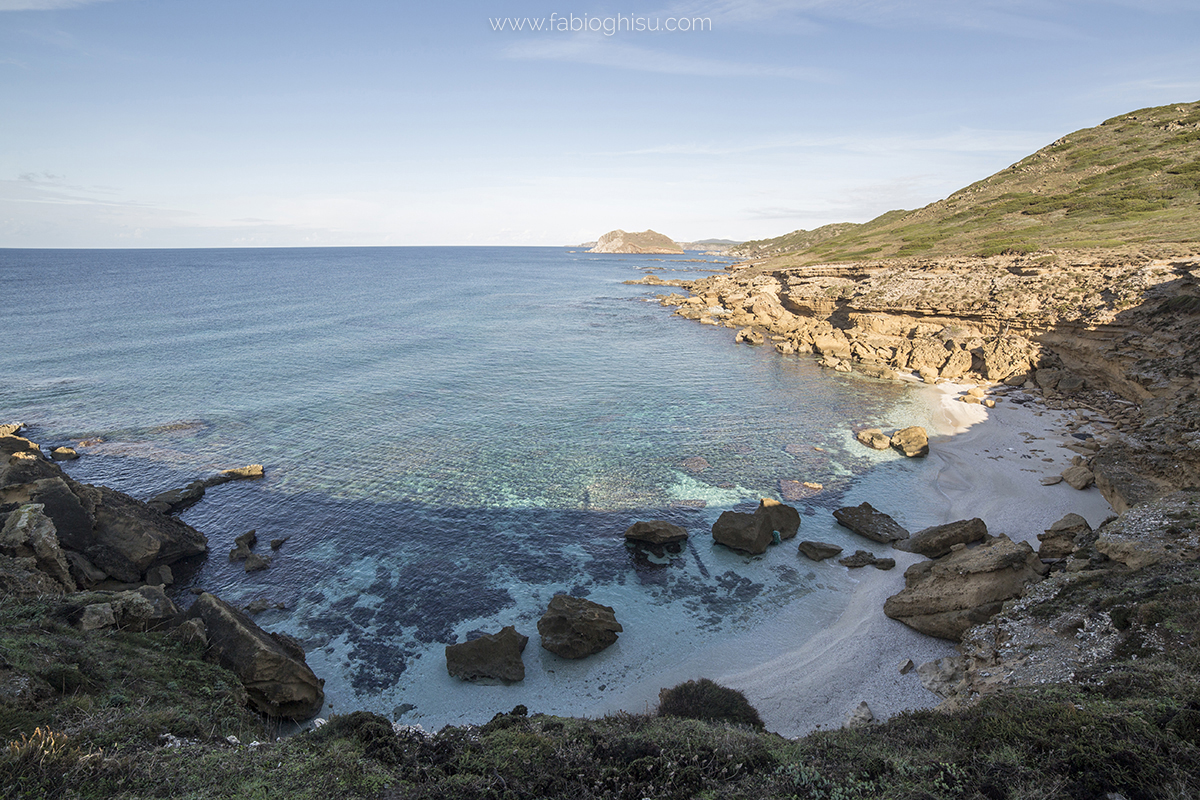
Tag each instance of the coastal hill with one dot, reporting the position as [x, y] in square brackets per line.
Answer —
[647, 241]
[1133, 179]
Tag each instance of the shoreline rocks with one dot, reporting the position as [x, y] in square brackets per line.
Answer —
[271, 666]
[947, 596]
[573, 627]
[866, 520]
[491, 656]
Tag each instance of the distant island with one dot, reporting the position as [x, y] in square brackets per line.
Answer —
[649, 241]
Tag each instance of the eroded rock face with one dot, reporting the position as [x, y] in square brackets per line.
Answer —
[271, 666]
[866, 520]
[573, 627]
[945, 597]
[655, 531]
[1155, 532]
[493, 655]
[937, 541]
[29, 532]
[1058, 541]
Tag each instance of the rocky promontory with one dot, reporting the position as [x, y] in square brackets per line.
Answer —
[1114, 332]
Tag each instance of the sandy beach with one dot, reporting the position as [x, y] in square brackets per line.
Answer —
[983, 463]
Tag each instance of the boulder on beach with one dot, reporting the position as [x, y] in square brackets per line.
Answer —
[866, 520]
[911, 441]
[874, 437]
[819, 551]
[655, 532]
[748, 532]
[573, 627]
[937, 541]
[64, 454]
[270, 665]
[1078, 476]
[947, 596]
[492, 655]
[780, 518]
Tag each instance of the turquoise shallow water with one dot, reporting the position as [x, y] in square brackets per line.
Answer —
[450, 435]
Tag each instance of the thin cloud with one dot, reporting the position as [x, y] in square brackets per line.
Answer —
[1030, 19]
[44, 5]
[613, 54]
[965, 140]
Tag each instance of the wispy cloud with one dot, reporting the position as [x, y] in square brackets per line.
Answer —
[607, 53]
[44, 5]
[1036, 19]
[964, 140]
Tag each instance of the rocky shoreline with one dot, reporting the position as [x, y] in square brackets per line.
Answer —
[1108, 336]
[111, 557]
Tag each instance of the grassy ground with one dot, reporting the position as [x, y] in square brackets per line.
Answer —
[1132, 727]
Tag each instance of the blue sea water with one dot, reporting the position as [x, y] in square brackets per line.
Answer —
[451, 436]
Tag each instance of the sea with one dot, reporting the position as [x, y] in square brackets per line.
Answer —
[450, 436]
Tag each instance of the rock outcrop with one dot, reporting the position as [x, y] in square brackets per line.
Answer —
[492, 655]
[270, 665]
[947, 596]
[103, 534]
[574, 627]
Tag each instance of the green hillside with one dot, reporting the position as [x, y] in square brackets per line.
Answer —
[1133, 179]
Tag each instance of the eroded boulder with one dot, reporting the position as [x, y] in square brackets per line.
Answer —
[655, 532]
[780, 518]
[911, 441]
[574, 627]
[748, 532]
[271, 666]
[875, 438]
[947, 596]
[819, 551]
[937, 541]
[492, 655]
[866, 520]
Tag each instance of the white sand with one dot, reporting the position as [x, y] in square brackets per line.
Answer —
[983, 463]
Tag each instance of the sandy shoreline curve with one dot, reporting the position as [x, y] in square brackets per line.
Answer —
[985, 463]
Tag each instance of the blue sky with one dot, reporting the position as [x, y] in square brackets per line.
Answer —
[177, 123]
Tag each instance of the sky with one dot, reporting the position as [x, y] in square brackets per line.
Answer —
[178, 123]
